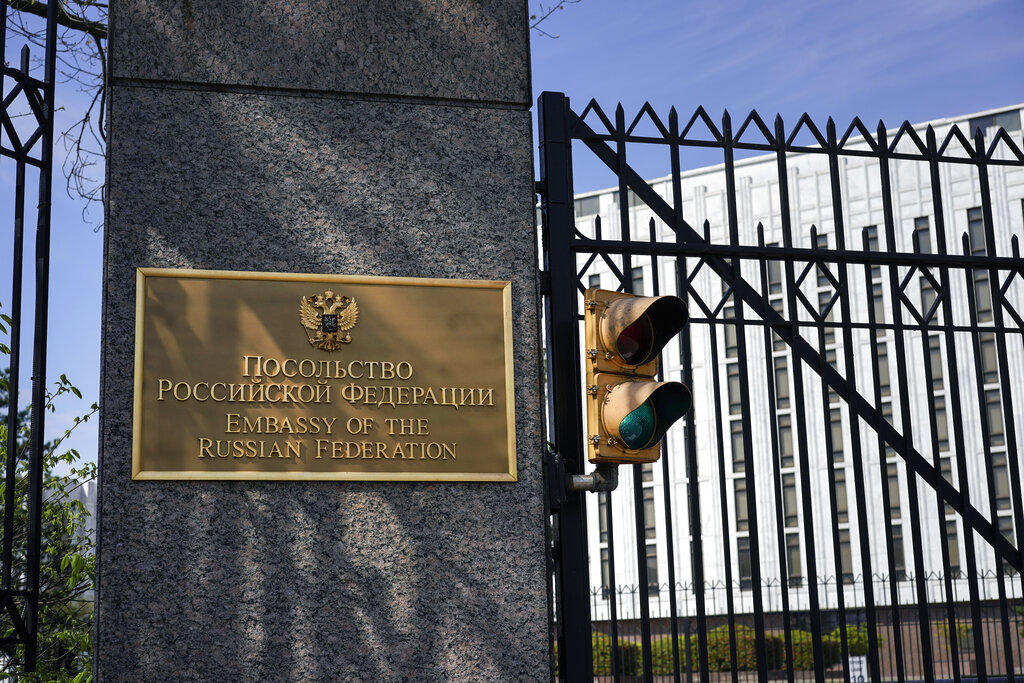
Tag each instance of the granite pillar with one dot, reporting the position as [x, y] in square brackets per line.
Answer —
[320, 137]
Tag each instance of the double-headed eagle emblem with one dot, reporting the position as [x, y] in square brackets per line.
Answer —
[330, 316]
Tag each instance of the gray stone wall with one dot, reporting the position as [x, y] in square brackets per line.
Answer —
[321, 137]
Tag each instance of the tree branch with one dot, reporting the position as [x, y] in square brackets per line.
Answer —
[95, 29]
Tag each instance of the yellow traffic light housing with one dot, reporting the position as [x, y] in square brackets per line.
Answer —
[629, 412]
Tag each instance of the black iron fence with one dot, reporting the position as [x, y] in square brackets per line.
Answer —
[26, 122]
[855, 362]
[732, 642]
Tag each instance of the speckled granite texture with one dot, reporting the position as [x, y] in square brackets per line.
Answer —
[325, 581]
[460, 49]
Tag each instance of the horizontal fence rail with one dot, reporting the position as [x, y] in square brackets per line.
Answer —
[855, 350]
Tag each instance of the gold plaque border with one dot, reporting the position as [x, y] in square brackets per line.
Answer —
[142, 274]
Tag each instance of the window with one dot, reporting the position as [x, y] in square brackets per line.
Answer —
[941, 424]
[995, 418]
[946, 469]
[588, 206]
[781, 382]
[989, 364]
[742, 518]
[935, 361]
[842, 509]
[729, 331]
[922, 240]
[882, 353]
[650, 532]
[846, 555]
[594, 281]
[893, 475]
[887, 411]
[786, 441]
[793, 560]
[877, 302]
[1008, 120]
[647, 472]
[602, 515]
[606, 574]
[774, 275]
[732, 379]
[637, 276]
[736, 437]
[653, 587]
[824, 299]
[953, 546]
[746, 567]
[821, 242]
[976, 230]
[899, 559]
[789, 502]
[836, 426]
[982, 291]
[1001, 481]
[1005, 525]
[872, 233]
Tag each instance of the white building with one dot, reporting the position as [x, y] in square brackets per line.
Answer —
[704, 195]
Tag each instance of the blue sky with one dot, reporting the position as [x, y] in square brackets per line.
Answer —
[903, 59]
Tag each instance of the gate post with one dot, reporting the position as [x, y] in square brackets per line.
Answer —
[573, 579]
[318, 137]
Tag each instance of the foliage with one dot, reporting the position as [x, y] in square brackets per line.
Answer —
[963, 630]
[67, 558]
[629, 661]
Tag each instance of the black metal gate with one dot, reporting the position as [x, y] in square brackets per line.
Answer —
[816, 358]
[27, 123]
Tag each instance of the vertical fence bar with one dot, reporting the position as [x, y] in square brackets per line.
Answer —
[574, 652]
[776, 473]
[800, 408]
[856, 449]
[748, 444]
[905, 423]
[1012, 456]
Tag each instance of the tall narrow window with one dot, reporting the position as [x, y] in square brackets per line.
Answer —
[935, 361]
[729, 331]
[736, 438]
[846, 555]
[953, 546]
[922, 240]
[796, 572]
[821, 242]
[789, 501]
[989, 360]
[842, 508]
[1005, 525]
[878, 302]
[982, 290]
[995, 418]
[836, 425]
[899, 559]
[774, 275]
[941, 424]
[746, 567]
[594, 281]
[1001, 481]
[882, 352]
[786, 441]
[742, 518]
[647, 472]
[637, 276]
[781, 382]
[732, 376]
[606, 574]
[892, 473]
[602, 515]
[653, 587]
[650, 530]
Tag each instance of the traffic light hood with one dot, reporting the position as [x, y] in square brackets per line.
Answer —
[639, 327]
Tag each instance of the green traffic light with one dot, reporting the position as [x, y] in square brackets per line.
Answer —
[646, 424]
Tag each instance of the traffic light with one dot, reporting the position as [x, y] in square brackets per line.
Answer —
[628, 412]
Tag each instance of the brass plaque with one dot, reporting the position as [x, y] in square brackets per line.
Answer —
[282, 376]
